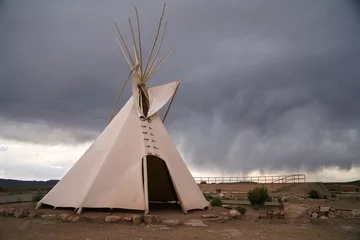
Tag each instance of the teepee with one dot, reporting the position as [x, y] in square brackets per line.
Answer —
[133, 161]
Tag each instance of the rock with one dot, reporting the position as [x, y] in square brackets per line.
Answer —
[33, 214]
[8, 212]
[64, 216]
[325, 209]
[227, 206]
[234, 213]
[224, 213]
[331, 215]
[218, 219]
[127, 218]
[3, 212]
[209, 216]
[151, 219]
[89, 218]
[21, 213]
[137, 219]
[231, 232]
[112, 219]
[314, 215]
[296, 212]
[355, 212]
[49, 216]
[323, 217]
[221, 195]
[73, 219]
[195, 223]
[171, 223]
[164, 228]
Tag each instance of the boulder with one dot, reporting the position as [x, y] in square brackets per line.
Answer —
[227, 206]
[7, 212]
[49, 216]
[195, 223]
[64, 216]
[21, 213]
[325, 209]
[355, 212]
[171, 223]
[209, 216]
[151, 219]
[127, 219]
[331, 215]
[73, 218]
[137, 219]
[33, 214]
[3, 212]
[314, 215]
[112, 219]
[234, 213]
[218, 219]
[296, 212]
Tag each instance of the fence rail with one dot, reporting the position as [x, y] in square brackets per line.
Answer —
[293, 178]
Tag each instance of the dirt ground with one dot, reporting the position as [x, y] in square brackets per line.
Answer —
[246, 228]
[22, 229]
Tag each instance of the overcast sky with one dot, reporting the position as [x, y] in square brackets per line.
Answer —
[268, 87]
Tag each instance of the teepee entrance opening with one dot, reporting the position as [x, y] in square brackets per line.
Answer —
[160, 188]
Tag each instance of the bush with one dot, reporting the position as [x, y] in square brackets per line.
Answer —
[37, 198]
[203, 182]
[314, 194]
[241, 210]
[258, 196]
[216, 202]
[208, 197]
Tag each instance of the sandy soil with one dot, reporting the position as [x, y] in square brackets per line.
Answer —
[22, 229]
[246, 228]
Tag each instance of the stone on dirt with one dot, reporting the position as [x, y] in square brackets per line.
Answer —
[127, 218]
[294, 212]
[151, 219]
[7, 212]
[33, 214]
[355, 212]
[73, 218]
[49, 216]
[21, 213]
[227, 206]
[314, 215]
[171, 223]
[195, 223]
[234, 213]
[112, 219]
[137, 219]
[232, 232]
[209, 216]
[64, 216]
[325, 209]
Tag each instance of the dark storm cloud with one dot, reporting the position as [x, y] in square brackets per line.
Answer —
[267, 84]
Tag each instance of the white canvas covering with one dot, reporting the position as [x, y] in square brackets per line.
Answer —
[110, 173]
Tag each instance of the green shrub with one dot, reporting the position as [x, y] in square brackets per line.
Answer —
[241, 210]
[314, 194]
[258, 196]
[216, 202]
[37, 198]
[208, 197]
[203, 182]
